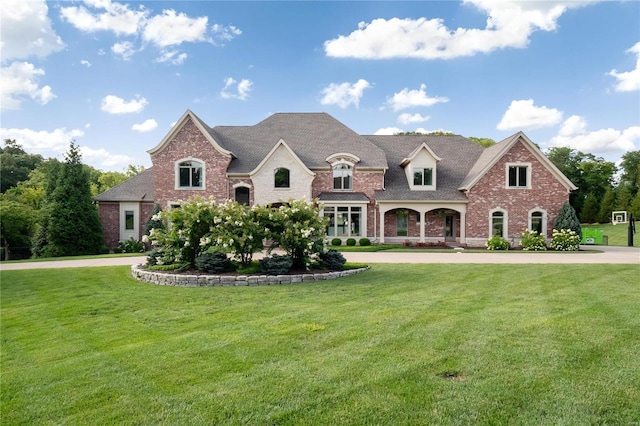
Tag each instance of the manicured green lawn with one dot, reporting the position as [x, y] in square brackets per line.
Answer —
[398, 344]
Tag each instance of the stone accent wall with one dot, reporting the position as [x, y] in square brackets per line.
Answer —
[490, 192]
[235, 181]
[109, 213]
[184, 280]
[299, 179]
[189, 142]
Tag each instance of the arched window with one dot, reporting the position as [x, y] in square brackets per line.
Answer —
[281, 178]
[537, 221]
[242, 195]
[190, 174]
[497, 224]
[342, 174]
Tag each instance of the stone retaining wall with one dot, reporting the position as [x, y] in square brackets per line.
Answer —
[185, 280]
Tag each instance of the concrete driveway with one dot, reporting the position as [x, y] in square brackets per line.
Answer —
[592, 254]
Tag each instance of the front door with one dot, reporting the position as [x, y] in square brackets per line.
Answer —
[449, 228]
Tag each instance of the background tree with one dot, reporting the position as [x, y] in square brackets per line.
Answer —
[634, 208]
[590, 210]
[484, 142]
[623, 197]
[16, 227]
[15, 164]
[631, 171]
[72, 226]
[607, 206]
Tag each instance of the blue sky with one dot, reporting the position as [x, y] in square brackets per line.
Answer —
[115, 76]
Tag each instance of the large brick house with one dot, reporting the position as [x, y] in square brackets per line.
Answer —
[425, 188]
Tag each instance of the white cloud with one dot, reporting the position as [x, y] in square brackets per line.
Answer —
[413, 98]
[524, 115]
[344, 94]
[19, 80]
[509, 24]
[103, 158]
[115, 105]
[117, 17]
[388, 131]
[242, 89]
[85, 63]
[222, 33]
[170, 29]
[628, 81]
[146, 126]
[124, 49]
[40, 141]
[25, 30]
[407, 118]
[574, 134]
[172, 56]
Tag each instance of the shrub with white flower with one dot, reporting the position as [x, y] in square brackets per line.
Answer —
[565, 240]
[298, 228]
[497, 243]
[532, 241]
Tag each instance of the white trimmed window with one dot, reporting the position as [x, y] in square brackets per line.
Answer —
[344, 221]
[342, 177]
[423, 176]
[190, 174]
[538, 221]
[498, 223]
[518, 175]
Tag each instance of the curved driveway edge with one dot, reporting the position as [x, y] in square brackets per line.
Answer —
[600, 254]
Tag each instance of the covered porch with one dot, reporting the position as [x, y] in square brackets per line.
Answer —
[422, 222]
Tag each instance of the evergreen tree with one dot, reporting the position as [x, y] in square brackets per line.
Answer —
[590, 209]
[606, 206]
[72, 224]
[567, 219]
[635, 206]
[623, 198]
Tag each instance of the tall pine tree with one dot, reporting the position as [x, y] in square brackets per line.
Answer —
[72, 223]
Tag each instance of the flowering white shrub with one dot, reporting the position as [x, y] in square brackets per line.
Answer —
[532, 241]
[497, 243]
[202, 226]
[565, 240]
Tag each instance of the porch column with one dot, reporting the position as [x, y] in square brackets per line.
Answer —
[463, 227]
[423, 225]
[382, 212]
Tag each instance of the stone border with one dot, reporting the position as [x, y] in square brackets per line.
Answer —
[185, 280]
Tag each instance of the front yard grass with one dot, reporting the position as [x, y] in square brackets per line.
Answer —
[398, 344]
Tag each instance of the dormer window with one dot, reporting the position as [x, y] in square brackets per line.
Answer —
[423, 176]
[420, 168]
[189, 174]
[281, 178]
[342, 177]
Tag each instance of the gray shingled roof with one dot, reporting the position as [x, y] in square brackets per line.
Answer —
[343, 196]
[458, 154]
[312, 136]
[137, 188]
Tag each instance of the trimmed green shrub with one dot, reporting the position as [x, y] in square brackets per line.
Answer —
[336, 242]
[130, 246]
[276, 264]
[565, 240]
[532, 241]
[364, 242]
[212, 262]
[351, 241]
[177, 267]
[333, 259]
[497, 243]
